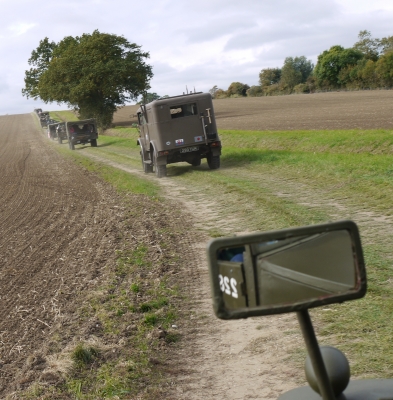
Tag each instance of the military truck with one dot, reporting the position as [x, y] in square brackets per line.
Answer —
[81, 132]
[57, 131]
[177, 129]
[44, 117]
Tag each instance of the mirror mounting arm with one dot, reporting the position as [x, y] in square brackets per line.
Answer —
[325, 387]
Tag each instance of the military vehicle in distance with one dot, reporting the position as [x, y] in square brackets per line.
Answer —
[57, 131]
[176, 129]
[81, 132]
[44, 118]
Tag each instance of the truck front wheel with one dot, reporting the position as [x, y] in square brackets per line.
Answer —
[213, 161]
[147, 168]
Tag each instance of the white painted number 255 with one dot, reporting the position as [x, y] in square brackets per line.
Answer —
[228, 286]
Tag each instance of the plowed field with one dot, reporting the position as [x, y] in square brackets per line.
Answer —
[53, 237]
[334, 110]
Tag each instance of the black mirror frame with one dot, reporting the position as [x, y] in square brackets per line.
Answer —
[214, 245]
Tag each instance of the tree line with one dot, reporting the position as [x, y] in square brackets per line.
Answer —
[368, 64]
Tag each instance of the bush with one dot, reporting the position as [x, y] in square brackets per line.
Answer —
[301, 88]
[255, 91]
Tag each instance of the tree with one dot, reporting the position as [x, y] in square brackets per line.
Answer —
[237, 88]
[332, 61]
[367, 45]
[295, 71]
[213, 91]
[149, 97]
[255, 91]
[384, 69]
[94, 74]
[269, 76]
[386, 44]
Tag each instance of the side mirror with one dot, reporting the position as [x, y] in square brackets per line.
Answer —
[287, 270]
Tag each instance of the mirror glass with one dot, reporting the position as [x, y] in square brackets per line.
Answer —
[286, 271]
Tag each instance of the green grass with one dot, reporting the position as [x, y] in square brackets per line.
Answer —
[121, 180]
[63, 115]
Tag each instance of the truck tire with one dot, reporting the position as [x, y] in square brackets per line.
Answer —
[160, 171]
[93, 143]
[147, 168]
[213, 161]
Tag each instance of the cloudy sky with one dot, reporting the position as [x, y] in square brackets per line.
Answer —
[195, 43]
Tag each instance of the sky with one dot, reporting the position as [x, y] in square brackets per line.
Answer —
[192, 44]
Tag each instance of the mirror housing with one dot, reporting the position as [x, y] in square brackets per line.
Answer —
[287, 270]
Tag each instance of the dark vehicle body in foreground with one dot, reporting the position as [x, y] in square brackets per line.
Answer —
[81, 132]
[178, 129]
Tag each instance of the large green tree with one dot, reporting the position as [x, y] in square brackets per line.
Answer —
[331, 62]
[295, 70]
[94, 74]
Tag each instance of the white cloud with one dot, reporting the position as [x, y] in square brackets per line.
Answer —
[201, 44]
[20, 28]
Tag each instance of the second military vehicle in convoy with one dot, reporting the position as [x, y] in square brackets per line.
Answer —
[81, 132]
[175, 129]
[56, 131]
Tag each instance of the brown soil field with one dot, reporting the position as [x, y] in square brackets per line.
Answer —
[60, 229]
[334, 110]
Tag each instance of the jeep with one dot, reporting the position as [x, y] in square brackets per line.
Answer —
[178, 129]
[81, 132]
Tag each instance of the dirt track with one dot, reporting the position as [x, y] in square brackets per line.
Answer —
[57, 230]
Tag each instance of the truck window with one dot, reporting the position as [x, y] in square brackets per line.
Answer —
[183, 110]
[141, 119]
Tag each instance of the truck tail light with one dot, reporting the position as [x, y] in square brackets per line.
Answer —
[163, 153]
[215, 144]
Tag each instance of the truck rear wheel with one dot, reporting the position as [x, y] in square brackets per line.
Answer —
[213, 161]
[93, 143]
[160, 171]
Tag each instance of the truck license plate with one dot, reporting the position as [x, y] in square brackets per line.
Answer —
[188, 149]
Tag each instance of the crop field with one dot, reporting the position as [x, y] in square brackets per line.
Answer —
[103, 274]
[318, 111]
